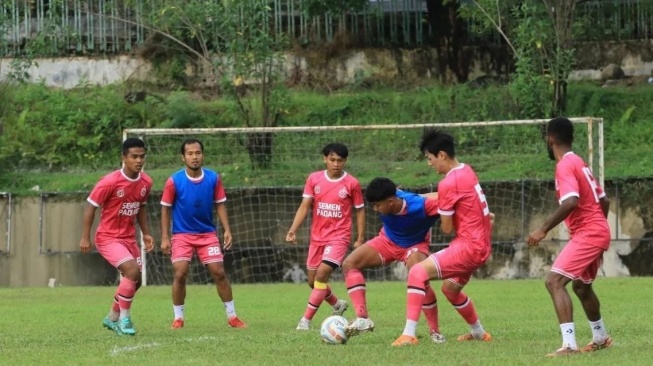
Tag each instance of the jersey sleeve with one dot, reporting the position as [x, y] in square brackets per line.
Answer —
[308, 188]
[219, 195]
[431, 206]
[100, 193]
[567, 181]
[357, 195]
[447, 199]
[168, 197]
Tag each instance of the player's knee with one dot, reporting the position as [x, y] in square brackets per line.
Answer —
[131, 272]
[324, 271]
[581, 289]
[450, 293]
[554, 281]
[348, 264]
[218, 274]
[180, 276]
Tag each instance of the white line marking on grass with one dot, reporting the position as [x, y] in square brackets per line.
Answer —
[118, 350]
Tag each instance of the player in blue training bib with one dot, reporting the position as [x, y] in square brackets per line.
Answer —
[407, 220]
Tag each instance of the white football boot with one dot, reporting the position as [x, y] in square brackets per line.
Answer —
[360, 325]
[304, 324]
[340, 307]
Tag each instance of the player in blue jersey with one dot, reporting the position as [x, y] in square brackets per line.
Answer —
[405, 236]
[188, 197]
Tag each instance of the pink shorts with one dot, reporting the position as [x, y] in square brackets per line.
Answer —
[390, 252]
[326, 252]
[458, 262]
[581, 258]
[207, 246]
[119, 252]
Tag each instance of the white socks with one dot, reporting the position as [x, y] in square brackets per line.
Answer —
[599, 335]
[411, 328]
[179, 311]
[568, 335]
[477, 330]
[124, 313]
[230, 309]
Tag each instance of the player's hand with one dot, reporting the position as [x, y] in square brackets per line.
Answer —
[148, 240]
[85, 245]
[290, 237]
[227, 240]
[536, 237]
[165, 246]
[358, 243]
[492, 216]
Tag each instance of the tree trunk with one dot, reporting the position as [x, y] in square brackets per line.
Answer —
[448, 37]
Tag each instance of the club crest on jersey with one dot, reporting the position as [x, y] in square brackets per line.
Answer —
[120, 193]
[316, 189]
[143, 191]
[343, 193]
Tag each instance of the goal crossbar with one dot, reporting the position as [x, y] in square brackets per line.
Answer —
[204, 131]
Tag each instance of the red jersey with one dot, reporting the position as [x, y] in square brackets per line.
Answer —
[460, 195]
[333, 200]
[573, 178]
[120, 199]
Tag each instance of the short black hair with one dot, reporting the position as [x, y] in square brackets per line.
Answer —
[379, 189]
[434, 141]
[562, 130]
[130, 143]
[190, 142]
[336, 147]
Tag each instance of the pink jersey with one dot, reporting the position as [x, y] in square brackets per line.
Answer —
[333, 200]
[120, 199]
[574, 179]
[460, 195]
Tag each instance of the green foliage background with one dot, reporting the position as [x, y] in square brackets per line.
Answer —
[77, 133]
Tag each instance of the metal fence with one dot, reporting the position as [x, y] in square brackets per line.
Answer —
[92, 27]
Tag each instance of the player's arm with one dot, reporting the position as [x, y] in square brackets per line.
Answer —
[167, 199]
[87, 223]
[165, 222]
[360, 226]
[300, 216]
[221, 208]
[145, 228]
[431, 195]
[565, 208]
[605, 205]
[446, 224]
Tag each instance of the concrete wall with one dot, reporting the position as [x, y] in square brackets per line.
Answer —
[37, 233]
[348, 66]
[45, 234]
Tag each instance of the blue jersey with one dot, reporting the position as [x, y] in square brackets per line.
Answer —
[192, 201]
[412, 225]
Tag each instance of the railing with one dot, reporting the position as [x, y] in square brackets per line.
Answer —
[74, 26]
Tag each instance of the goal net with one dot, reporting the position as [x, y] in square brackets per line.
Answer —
[264, 170]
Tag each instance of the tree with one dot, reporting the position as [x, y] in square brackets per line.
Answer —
[540, 35]
[232, 41]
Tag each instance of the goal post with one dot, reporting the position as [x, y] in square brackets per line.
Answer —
[264, 170]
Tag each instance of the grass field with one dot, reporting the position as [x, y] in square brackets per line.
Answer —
[62, 326]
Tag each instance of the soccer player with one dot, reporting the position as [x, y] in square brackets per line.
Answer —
[407, 220]
[463, 210]
[332, 193]
[122, 196]
[584, 208]
[188, 197]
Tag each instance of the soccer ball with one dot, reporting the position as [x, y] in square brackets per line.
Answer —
[333, 330]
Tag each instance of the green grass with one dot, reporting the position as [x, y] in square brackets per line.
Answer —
[63, 326]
